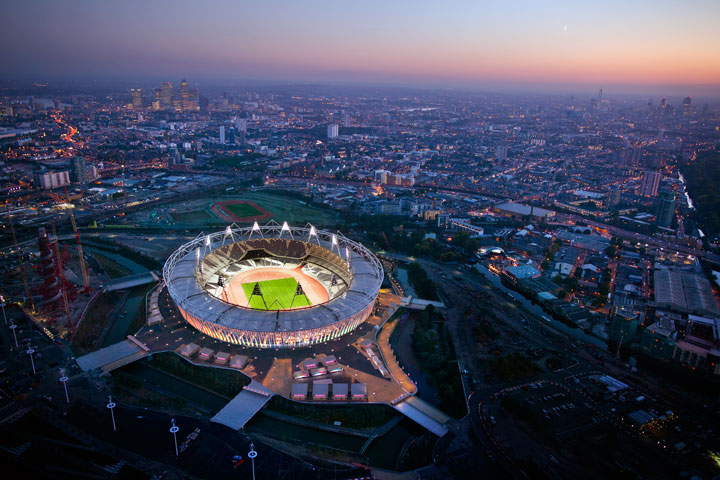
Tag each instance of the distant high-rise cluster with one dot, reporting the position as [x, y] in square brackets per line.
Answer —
[166, 99]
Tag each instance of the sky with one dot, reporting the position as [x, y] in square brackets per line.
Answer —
[630, 44]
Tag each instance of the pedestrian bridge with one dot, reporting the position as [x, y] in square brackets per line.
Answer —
[115, 356]
[244, 406]
[131, 281]
[424, 414]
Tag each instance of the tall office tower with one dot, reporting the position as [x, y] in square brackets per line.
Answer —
[346, 119]
[166, 95]
[231, 137]
[649, 184]
[157, 99]
[501, 152]
[188, 98]
[613, 198]
[665, 209]
[78, 170]
[185, 94]
[241, 124]
[332, 130]
[222, 134]
[137, 101]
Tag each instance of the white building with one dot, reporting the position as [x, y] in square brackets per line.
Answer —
[222, 134]
[332, 130]
[52, 179]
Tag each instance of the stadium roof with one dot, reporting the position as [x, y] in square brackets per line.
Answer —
[180, 277]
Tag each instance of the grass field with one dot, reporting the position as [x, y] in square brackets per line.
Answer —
[278, 294]
[243, 210]
[194, 216]
[289, 209]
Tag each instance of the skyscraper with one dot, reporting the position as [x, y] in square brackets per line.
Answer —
[222, 134]
[649, 184]
[137, 101]
[231, 137]
[614, 197]
[665, 209]
[241, 124]
[501, 152]
[332, 131]
[78, 170]
[166, 95]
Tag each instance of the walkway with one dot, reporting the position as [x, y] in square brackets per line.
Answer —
[132, 281]
[391, 359]
[244, 406]
[112, 357]
[424, 414]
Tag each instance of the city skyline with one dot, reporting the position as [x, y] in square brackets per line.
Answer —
[643, 47]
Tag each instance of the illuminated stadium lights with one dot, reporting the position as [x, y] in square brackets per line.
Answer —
[314, 293]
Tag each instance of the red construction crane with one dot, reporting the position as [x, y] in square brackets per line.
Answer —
[81, 257]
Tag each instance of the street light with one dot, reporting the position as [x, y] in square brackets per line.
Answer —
[13, 327]
[251, 455]
[111, 406]
[2, 305]
[30, 352]
[174, 429]
[64, 379]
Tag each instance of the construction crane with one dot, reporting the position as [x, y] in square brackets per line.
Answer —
[61, 276]
[81, 257]
[28, 294]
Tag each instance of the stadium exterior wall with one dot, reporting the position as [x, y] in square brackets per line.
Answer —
[278, 339]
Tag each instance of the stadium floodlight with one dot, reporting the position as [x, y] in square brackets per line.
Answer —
[228, 233]
[256, 228]
[313, 233]
[207, 241]
[347, 255]
[285, 228]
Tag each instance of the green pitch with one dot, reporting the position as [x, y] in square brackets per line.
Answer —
[243, 210]
[278, 294]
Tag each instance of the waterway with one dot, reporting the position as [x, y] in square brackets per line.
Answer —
[687, 196]
[541, 315]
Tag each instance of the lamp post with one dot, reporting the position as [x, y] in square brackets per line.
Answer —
[64, 379]
[13, 327]
[111, 406]
[2, 305]
[174, 429]
[251, 455]
[30, 352]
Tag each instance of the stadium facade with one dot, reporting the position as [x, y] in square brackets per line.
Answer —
[200, 272]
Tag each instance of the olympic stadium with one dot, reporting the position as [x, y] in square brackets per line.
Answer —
[273, 286]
